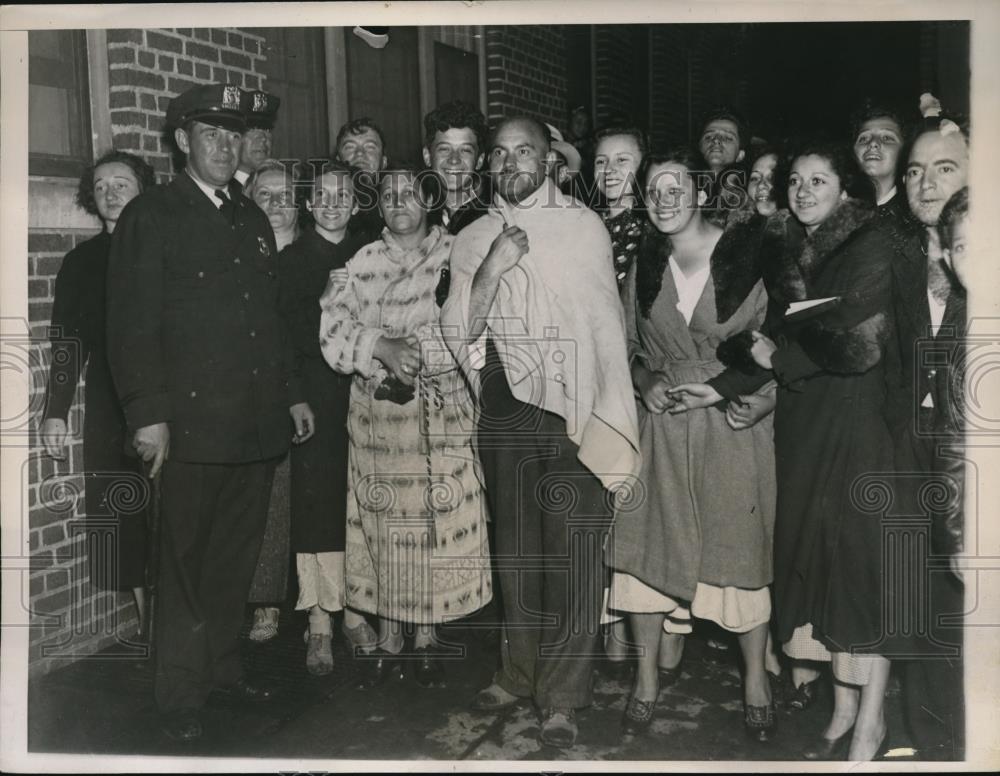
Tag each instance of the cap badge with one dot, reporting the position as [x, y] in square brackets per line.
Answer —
[265, 251]
[231, 98]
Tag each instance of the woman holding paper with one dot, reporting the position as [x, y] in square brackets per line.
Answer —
[828, 354]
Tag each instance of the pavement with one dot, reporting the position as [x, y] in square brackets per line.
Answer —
[104, 705]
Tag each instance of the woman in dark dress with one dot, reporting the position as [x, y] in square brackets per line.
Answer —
[116, 543]
[319, 467]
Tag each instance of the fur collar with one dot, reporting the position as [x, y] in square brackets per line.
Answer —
[789, 258]
[734, 265]
[735, 262]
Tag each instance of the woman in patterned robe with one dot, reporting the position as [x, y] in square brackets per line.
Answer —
[416, 548]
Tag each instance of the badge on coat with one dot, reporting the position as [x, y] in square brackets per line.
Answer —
[263, 246]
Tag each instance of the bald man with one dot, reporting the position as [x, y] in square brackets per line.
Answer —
[534, 318]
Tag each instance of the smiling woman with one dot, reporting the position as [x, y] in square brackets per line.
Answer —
[693, 548]
[79, 350]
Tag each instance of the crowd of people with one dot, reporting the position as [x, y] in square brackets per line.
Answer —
[689, 391]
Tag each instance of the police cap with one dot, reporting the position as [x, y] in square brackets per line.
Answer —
[263, 110]
[220, 105]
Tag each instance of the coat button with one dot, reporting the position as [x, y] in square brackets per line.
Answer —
[246, 295]
[236, 260]
[201, 274]
[253, 371]
[253, 334]
[193, 394]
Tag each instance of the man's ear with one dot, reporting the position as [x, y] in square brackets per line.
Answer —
[702, 197]
[427, 158]
[479, 161]
[550, 160]
[182, 140]
[741, 155]
[309, 205]
[385, 162]
[843, 194]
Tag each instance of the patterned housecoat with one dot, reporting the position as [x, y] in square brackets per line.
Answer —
[401, 563]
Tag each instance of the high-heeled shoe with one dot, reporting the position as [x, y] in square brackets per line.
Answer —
[804, 695]
[760, 722]
[377, 667]
[829, 748]
[638, 716]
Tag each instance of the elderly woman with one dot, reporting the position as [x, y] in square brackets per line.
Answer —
[78, 347]
[272, 187]
[830, 351]
[416, 547]
[700, 543]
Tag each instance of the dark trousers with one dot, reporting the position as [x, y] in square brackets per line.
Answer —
[212, 524]
[551, 516]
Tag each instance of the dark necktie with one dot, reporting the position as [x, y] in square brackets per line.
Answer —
[227, 208]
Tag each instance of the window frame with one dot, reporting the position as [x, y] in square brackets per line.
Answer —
[82, 136]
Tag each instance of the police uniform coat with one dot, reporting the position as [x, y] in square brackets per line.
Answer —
[194, 334]
[195, 340]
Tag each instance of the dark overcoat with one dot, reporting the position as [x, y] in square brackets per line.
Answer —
[78, 349]
[194, 334]
[836, 539]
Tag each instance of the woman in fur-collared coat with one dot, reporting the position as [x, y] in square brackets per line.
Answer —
[834, 452]
[698, 541]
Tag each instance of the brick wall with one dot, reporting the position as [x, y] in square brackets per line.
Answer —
[526, 72]
[694, 67]
[621, 74]
[147, 68]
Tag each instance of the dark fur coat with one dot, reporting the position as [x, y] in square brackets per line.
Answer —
[850, 337]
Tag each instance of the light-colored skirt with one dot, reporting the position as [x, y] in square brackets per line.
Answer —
[847, 668]
[736, 609]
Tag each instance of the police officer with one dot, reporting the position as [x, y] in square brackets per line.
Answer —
[205, 375]
[262, 113]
